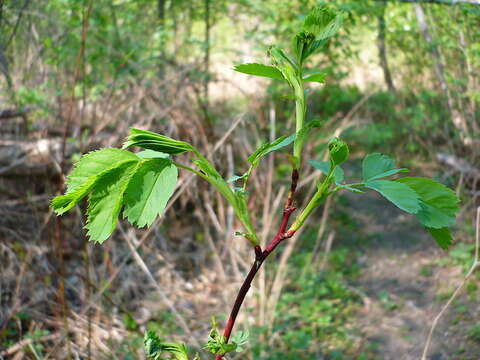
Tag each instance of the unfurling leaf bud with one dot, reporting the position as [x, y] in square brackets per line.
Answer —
[301, 45]
[338, 151]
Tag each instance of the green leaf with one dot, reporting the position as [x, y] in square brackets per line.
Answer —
[376, 166]
[319, 26]
[152, 141]
[399, 194]
[62, 203]
[305, 130]
[154, 347]
[216, 343]
[351, 188]
[269, 147]
[116, 177]
[301, 45]
[314, 46]
[240, 339]
[236, 200]
[85, 174]
[259, 70]
[285, 65]
[442, 236]
[324, 167]
[151, 154]
[438, 203]
[94, 163]
[236, 177]
[317, 77]
[323, 22]
[177, 350]
[106, 201]
[338, 175]
[148, 191]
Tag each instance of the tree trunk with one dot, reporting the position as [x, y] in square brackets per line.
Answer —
[456, 117]
[4, 60]
[206, 61]
[469, 87]
[4, 66]
[161, 23]
[382, 49]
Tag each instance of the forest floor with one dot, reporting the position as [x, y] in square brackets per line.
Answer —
[405, 279]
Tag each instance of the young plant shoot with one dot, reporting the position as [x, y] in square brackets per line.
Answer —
[140, 184]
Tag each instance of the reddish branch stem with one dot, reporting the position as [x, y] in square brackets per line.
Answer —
[260, 257]
[293, 187]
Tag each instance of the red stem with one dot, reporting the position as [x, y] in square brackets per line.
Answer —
[260, 257]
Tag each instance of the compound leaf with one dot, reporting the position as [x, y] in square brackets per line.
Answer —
[319, 26]
[62, 203]
[399, 194]
[216, 343]
[438, 203]
[314, 46]
[259, 70]
[323, 22]
[85, 174]
[301, 44]
[377, 166]
[149, 190]
[106, 201]
[240, 339]
[154, 347]
[177, 350]
[94, 163]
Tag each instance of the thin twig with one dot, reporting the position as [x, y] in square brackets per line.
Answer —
[229, 131]
[474, 266]
[88, 288]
